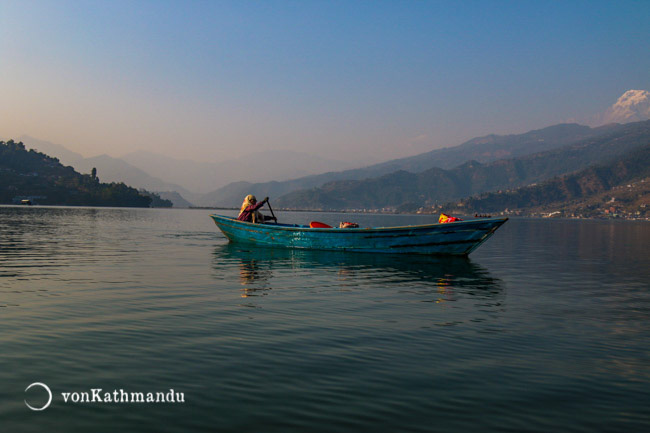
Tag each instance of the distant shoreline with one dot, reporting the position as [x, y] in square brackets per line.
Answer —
[508, 214]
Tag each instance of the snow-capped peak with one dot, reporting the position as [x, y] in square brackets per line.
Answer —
[632, 106]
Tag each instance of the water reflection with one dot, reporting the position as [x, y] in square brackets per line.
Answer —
[439, 279]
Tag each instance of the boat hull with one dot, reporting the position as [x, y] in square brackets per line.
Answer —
[457, 238]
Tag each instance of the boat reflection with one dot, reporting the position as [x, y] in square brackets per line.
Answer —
[436, 278]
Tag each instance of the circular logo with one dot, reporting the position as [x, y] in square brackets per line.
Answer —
[46, 388]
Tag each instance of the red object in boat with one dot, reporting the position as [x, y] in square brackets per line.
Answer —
[319, 225]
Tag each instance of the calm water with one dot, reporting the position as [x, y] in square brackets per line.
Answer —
[545, 328]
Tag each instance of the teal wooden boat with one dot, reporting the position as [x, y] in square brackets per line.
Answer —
[456, 238]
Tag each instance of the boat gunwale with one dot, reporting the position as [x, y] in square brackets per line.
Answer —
[355, 230]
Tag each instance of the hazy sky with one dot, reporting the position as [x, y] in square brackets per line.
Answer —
[370, 80]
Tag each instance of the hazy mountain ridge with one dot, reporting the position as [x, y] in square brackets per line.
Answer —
[177, 200]
[494, 147]
[109, 169]
[482, 149]
[201, 177]
[405, 190]
[67, 157]
[114, 170]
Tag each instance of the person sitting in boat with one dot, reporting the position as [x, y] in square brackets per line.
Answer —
[249, 210]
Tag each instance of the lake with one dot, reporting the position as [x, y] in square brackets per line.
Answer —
[544, 328]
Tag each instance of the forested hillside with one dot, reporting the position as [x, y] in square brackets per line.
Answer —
[618, 186]
[27, 174]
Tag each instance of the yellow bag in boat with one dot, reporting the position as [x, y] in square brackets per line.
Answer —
[444, 218]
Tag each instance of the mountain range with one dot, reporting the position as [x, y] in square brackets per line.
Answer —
[481, 150]
[399, 183]
[393, 179]
[633, 105]
[407, 191]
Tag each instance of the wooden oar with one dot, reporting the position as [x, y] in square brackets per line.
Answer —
[271, 209]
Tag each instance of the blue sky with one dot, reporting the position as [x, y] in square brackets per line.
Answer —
[362, 80]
